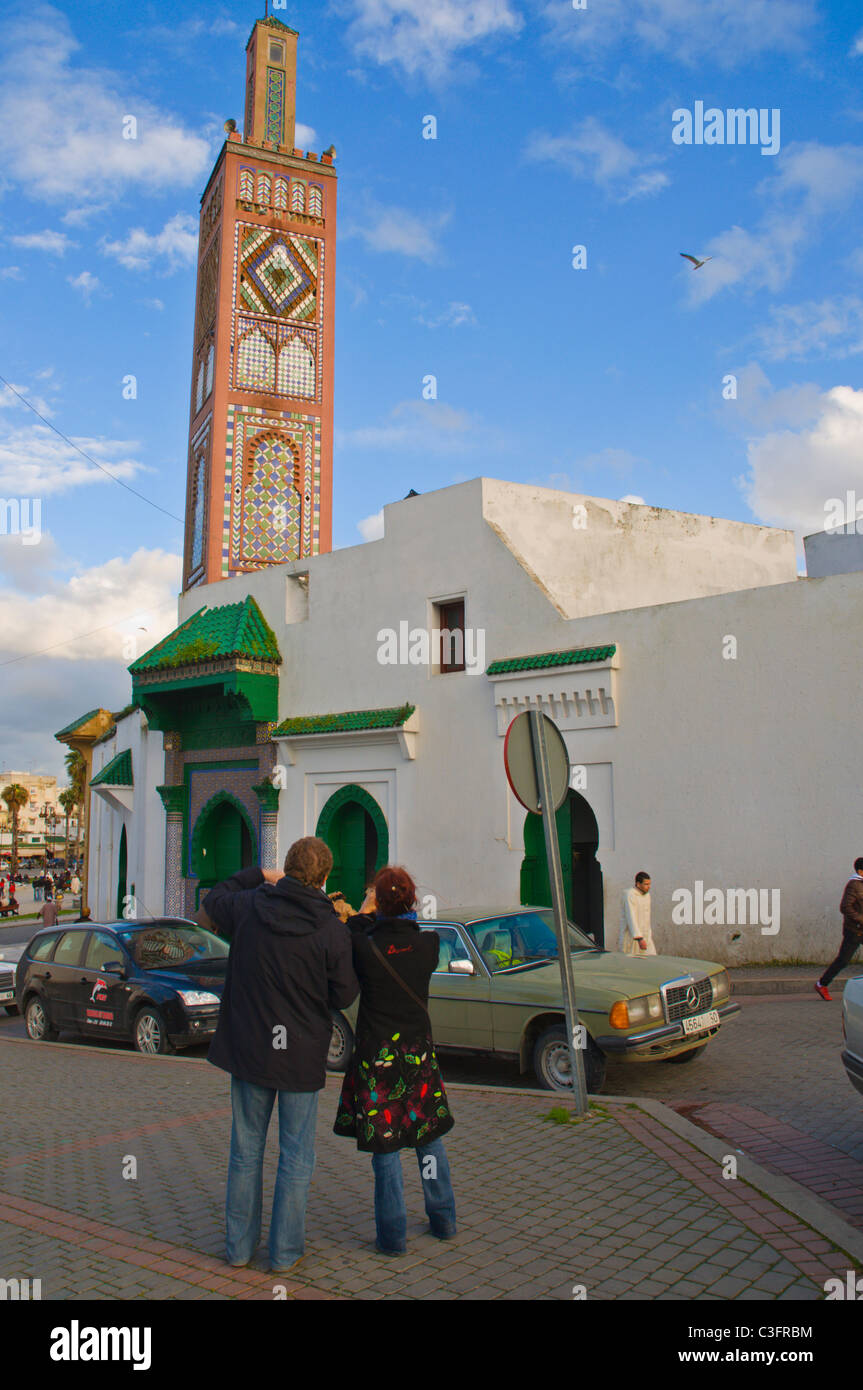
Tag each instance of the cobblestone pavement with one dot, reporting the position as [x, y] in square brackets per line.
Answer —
[618, 1204]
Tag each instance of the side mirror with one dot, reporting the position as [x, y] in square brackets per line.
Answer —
[114, 967]
[462, 967]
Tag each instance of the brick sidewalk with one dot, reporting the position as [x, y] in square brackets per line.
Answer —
[618, 1204]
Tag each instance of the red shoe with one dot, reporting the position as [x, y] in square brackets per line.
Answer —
[824, 992]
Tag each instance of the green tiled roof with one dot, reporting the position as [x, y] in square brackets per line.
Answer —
[348, 721]
[116, 773]
[214, 634]
[76, 723]
[543, 659]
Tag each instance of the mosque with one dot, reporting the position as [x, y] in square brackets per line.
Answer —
[707, 694]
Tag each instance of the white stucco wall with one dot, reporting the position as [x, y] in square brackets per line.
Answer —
[145, 825]
[738, 773]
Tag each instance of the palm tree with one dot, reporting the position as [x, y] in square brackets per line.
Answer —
[15, 797]
[76, 767]
[68, 799]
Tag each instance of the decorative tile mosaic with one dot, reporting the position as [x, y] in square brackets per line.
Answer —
[246, 187]
[208, 281]
[265, 188]
[316, 201]
[272, 483]
[276, 358]
[274, 121]
[280, 196]
[196, 507]
[278, 274]
[298, 196]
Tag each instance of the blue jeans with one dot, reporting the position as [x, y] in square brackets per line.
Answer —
[252, 1107]
[390, 1214]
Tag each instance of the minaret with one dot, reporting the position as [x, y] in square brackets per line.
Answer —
[259, 489]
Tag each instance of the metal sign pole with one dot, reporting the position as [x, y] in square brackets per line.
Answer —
[555, 874]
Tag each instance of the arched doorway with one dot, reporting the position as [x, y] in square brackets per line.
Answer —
[354, 827]
[578, 837]
[122, 872]
[224, 842]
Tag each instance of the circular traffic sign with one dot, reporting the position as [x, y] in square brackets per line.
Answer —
[520, 764]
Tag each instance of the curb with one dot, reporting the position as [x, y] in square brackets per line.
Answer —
[785, 1192]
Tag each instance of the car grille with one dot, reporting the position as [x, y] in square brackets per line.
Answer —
[7, 979]
[683, 998]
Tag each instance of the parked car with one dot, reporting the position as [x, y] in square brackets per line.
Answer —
[9, 958]
[158, 984]
[852, 1031]
[497, 991]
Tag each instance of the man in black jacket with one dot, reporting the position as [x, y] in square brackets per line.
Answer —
[289, 965]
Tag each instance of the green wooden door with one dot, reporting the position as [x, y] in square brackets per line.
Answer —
[226, 847]
[353, 840]
[122, 871]
[535, 885]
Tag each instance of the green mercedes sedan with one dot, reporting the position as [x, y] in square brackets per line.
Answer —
[497, 991]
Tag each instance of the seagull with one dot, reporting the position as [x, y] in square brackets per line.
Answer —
[696, 263]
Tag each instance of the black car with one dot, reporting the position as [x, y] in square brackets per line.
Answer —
[157, 983]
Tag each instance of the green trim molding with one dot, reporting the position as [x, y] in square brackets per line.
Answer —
[268, 796]
[173, 799]
[206, 811]
[116, 773]
[576, 656]
[363, 798]
[347, 722]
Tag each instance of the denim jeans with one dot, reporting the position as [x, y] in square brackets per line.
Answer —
[850, 944]
[252, 1107]
[390, 1213]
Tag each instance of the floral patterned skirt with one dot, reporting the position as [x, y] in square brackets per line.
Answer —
[393, 1097]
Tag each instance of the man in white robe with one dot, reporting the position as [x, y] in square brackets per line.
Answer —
[636, 936]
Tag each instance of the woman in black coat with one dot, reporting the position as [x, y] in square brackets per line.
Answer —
[393, 1097]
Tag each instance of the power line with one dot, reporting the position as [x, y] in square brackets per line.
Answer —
[28, 656]
[84, 455]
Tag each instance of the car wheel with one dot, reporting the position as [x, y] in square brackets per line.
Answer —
[552, 1066]
[689, 1056]
[149, 1032]
[341, 1044]
[11, 1009]
[38, 1022]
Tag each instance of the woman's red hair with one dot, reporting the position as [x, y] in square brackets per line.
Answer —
[395, 892]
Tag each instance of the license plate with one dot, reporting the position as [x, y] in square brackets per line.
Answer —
[701, 1021]
[6, 995]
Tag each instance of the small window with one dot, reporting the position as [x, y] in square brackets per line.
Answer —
[68, 950]
[103, 949]
[44, 946]
[450, 626]
[451, 948]
[277, 51]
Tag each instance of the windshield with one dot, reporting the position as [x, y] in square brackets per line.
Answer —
[161, 948]
[522, 938]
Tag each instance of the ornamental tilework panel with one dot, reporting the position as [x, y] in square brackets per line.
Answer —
[199, 451]
[208, 276]
[272, 488]
[278, 274]
[275, 358]
[275, 110]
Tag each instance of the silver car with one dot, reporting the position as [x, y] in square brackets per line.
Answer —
[852, 1029]
[9, 958]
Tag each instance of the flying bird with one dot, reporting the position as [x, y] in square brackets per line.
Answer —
[696, 263]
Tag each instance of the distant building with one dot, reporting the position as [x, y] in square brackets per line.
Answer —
[44, 815]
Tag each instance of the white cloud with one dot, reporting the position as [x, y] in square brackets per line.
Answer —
[85, 283]
[11, 272]
[810, 181]
[724, 32]
[424, 36]
[371, 528]
[634, 499]
[397, 229]
[52, 243]
[36, 462]
[10, 401]
[68, 120]
[794, 472]
[593, 153]
[857, 46]
[157, 304]
[306, 137]
[419, 426]
[175, 245]
[117, 597]
[801, 330]
[456, 315]
[758, 406]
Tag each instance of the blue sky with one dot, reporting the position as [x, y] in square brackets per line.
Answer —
[554, 129]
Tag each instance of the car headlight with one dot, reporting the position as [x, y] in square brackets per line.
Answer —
[627, 1013]
[721, 985]
[194, 998]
